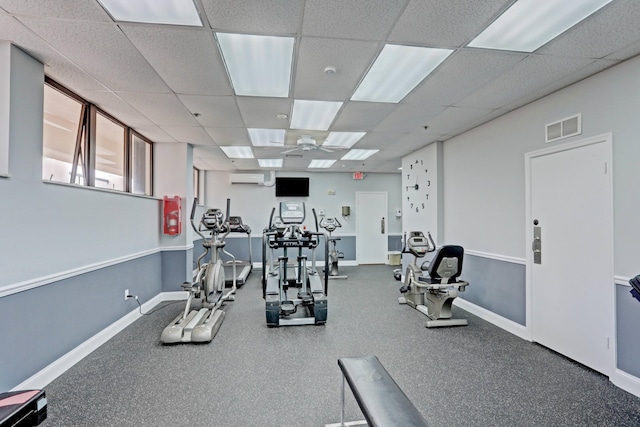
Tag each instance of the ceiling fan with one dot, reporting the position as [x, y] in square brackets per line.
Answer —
[307, 143]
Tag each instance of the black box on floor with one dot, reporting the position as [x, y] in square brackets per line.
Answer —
[22, 408]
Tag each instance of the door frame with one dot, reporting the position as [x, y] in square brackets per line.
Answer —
[607, 139]
[386, 228]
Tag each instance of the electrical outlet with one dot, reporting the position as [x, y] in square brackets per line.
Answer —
[126, 294]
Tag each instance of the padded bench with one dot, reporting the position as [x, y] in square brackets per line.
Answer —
[381, 401]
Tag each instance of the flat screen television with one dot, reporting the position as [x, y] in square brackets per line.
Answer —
[292, 187]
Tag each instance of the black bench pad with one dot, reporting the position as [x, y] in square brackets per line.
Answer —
[381, 401]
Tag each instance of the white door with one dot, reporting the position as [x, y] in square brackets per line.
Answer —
[371, 227]
[571, 284]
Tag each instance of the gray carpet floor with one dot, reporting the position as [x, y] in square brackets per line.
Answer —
[252, 375]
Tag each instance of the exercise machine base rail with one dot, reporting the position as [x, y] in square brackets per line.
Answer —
[379, 397]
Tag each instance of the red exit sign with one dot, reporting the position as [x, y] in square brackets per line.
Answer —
[358, 175]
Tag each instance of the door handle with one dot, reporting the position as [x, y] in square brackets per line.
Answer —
[382, 226]
[536, 245]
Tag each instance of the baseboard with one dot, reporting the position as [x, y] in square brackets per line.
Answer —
[625, 381]
[61, 365]
[501, 322]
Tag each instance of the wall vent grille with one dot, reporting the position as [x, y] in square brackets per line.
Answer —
[564, 128]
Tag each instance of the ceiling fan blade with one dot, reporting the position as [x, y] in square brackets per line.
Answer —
[289, 151]
[325, 149]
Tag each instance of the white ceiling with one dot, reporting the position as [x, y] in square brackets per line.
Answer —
[156, 77]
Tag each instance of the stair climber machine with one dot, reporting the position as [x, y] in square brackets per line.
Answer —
[330, 224]
[433, 294]
[294, 294]
[208, 287]
[243, 267]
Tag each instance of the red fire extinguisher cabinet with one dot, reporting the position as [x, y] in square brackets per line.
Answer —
[172, 214]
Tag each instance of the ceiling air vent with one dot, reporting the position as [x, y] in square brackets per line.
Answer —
[564, 128]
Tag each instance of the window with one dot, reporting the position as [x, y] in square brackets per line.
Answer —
[110, 142]
[141, 170]
[85, 146]
[63, 132]
[198, 190]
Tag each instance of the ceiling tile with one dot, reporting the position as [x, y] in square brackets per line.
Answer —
[255, 17]
[353, 19]
[191, 135]
[450, 23]
[453, 118]
[408, 118]
[153, 77]
[56, 66]
[379, 140]
[361, 116]
[117, 107]
[64, 9]
[597, 36]
[461, 74]
[102, 51]
[349, 58]
[591, 69]
[187, 59]
[261, 112]
[161, 109]
[229, 136]
[525, 77]
[627, 52]
[155, 134]
[415, 141]
[215, 111]
[211, 158]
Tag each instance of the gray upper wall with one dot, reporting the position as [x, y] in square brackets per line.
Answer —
[254, 202]
[484, 169]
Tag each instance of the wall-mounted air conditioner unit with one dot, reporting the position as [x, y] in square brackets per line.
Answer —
[246, 178]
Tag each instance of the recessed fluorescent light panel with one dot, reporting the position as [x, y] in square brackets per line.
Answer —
[313, 115]
[267, 137]
[529, 24]
[343, 139]
[171, 12]
[359, 154]
[321, 163]
[258, 65]
[397, 71]
[238, 152]
[270, 163]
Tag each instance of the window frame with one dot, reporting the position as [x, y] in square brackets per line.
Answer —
[85, 148]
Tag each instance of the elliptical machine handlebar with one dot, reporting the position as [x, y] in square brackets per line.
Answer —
[193, 214]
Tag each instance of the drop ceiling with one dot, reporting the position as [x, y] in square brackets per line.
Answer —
[170, 83]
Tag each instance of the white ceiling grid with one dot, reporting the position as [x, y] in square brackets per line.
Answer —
[171, 85]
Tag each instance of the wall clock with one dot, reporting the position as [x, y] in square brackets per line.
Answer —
[417, 185]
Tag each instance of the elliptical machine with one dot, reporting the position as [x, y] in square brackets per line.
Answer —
[294, 293]
[433, 294]
[208, 286]
[330, 224]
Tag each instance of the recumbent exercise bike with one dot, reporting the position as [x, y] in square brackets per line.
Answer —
[433, 294]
